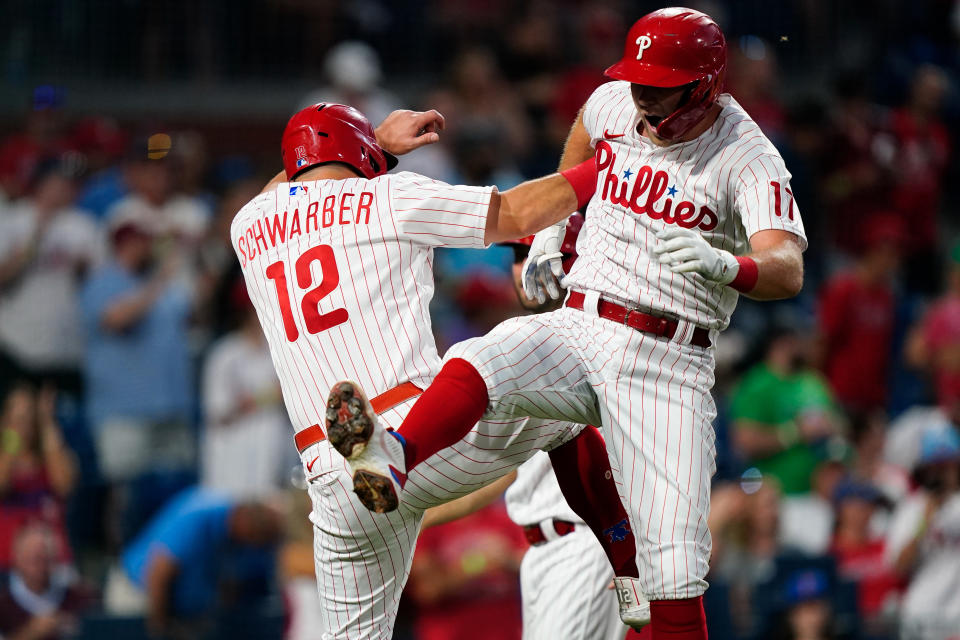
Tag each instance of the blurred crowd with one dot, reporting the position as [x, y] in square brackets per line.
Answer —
[148, 479]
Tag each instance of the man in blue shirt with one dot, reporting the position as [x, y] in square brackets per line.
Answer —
[180, 560]
[137, 373]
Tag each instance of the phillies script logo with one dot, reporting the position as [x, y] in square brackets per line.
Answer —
[648, 187]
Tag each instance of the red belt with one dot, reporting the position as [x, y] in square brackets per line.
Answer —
[386, 400]
[639, 320]
[534, 532]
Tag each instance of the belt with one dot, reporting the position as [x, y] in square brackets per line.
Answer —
[639, 320]
[535, 535]
[386, 400]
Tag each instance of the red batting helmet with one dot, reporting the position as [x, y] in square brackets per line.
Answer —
[673, 47]
[329, 132]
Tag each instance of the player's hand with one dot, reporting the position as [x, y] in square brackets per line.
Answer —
[685, 251]
[403, 130]
[543, 268]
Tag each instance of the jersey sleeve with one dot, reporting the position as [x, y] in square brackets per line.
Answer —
[764, 198]
[437, 214]
[609, 107]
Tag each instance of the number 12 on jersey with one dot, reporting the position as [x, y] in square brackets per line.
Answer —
[329, 279]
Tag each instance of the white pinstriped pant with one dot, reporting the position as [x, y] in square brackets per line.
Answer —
[362, 559]
[657, 415]
[565, 588]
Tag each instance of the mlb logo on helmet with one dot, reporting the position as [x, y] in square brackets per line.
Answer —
[301, 162]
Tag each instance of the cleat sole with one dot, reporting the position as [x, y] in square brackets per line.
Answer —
[349, 419]
[375, 491]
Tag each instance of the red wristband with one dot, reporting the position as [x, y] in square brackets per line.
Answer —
[583, 179]
[747, 276]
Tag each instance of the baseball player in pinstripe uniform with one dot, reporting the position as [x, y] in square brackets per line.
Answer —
[564, 577]
[337, 259]
[693, 207]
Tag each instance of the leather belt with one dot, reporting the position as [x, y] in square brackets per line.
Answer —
[639, 320]
[535, 535]
[383, 402]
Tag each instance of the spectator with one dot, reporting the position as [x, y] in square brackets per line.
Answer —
[41, 600]
[479, 96]
[934, 345]
[807, 615]
[859, 554]
[857, 178]
[807, 519]
[868, 434]
[464, 578]
[781, 411]
[924, 541]
[137, 371]
[354, 73]
[103, 143]
[922, 152]
[176, 568]
[752, 80]
[41, 137]
[219, 266]
[150, 175]
[37, 470]
[744, 527]
[46, 248]
[857, 316]
[248, 445]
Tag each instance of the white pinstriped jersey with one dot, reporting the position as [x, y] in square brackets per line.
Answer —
[341, 275]
[535, 495]
[728, 183]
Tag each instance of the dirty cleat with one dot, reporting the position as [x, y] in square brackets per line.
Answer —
[634, 607]
[374, 454]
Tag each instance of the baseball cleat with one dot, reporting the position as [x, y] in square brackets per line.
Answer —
[634, 607]
[374, 454]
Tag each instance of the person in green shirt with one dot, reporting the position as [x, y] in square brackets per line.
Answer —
[782, 411]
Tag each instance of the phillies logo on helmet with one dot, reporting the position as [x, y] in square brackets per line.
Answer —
[643, 42]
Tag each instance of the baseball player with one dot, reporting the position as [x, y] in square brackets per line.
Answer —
[564, 578]
[693, 206]
[338, 265]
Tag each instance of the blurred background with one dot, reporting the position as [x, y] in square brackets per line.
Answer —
[138, 400]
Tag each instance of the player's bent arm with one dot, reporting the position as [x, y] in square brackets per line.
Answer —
[470, 503]
[159, 586]
[403, 130]
[779, 258]
[577, 147]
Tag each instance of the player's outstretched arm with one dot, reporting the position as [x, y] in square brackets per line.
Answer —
[537, 204]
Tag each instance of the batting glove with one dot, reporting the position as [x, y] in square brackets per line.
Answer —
[543, 268]
[685, 251]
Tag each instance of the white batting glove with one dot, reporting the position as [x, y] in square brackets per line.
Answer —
[543, 268]
[685, 251]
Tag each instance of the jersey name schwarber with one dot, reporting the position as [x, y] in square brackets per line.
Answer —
[340, 273]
